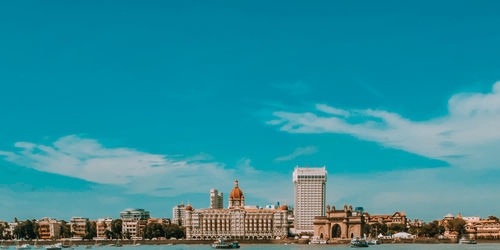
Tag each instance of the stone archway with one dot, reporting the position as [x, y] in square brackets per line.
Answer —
[336, 231]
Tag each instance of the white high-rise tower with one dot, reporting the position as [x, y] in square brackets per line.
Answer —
[310, 196]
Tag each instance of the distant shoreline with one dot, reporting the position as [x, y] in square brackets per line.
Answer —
[208, 242]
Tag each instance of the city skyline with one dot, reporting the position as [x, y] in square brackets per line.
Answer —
[149, 105]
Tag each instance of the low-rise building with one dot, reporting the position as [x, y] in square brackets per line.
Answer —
[103, 225]
[388, 219]
[482, 229]
[78, 226]
[133, 229]
[49, 228]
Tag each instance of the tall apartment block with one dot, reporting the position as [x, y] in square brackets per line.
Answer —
[310, 196]
[216, 199]
[178, 214]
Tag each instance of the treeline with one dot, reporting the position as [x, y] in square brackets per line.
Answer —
[431, 229]
[29, 230]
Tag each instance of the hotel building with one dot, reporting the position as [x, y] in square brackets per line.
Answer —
[236, 222]
[310, 196]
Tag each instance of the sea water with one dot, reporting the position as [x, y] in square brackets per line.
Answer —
[485, 246]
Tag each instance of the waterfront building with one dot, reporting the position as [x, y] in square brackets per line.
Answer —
[48, 228]
[216, 199]
[103, 225]
[78, 225]
[133, 228]
[9, 230]
[134, 214]
[310, 195]
[388, 219]
[236, 222]
[178, 214]
[483, 229]
[339, 224]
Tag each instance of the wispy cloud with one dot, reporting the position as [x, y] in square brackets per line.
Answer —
[139, 172]
[309, 150]
[467, 136]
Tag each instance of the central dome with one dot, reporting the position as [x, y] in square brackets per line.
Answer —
[236, 193]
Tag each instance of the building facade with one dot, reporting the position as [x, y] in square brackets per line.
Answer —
[178, 214]
[339, 224]
[236, 222]
[78, 226]
[388, 219]
[134, 214]
[48, 228]
[216, 199]
[103, 225]
[310, 196]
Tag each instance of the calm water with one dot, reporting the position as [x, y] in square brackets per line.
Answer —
[307, 247]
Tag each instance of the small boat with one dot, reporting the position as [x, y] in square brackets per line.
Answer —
[223, 244]
[359, 243]
[23, 247]
[57, 246]
[317, 241]
[463, 240]
[373, 242]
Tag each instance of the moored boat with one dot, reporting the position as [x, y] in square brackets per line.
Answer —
[23, 247]
[57, 246]
[463, 240]
[359, 243]
[223, 244]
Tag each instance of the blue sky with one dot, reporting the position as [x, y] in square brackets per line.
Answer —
[116, 104]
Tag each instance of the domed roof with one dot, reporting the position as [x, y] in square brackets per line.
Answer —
[189, 208]
[236, 193]
[284, 207]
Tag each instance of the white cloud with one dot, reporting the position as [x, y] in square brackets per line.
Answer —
[468, 136]
[139, 172]
[309, 150]
[144, 173]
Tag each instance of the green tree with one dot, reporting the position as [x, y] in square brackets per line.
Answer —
[431, 229]
[116, 228]
[396, 228]
[174, 231]
[457, 225]
[154, 230]
[26, 230]
[65, 230]
[492, 217]
[90, 230]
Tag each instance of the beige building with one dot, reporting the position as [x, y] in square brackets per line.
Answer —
[310, 195]
[103, 225]
[236, 221]
[339, 224]
[77, 225]
[388, 219]
[48, 228]
[133, 228]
